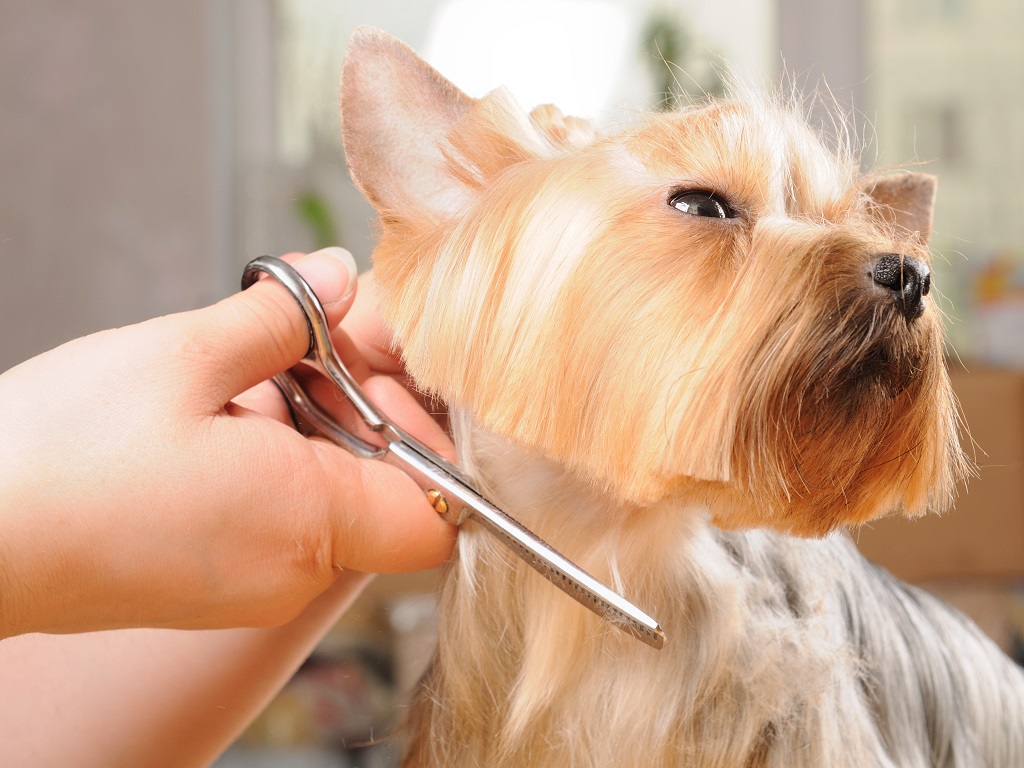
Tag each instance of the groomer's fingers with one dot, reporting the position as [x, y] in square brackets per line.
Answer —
[385, 524]
[255, 334]
[398, 403]
[266, 399]
[380, 518]
[408, 412]
[375, 341]
[371, 334]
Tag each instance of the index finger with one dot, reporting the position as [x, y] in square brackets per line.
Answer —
[370, 334]
[260, 332]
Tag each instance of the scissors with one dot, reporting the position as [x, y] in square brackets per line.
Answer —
[450, 493]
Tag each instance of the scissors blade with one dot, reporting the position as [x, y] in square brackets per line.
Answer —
[544, 559]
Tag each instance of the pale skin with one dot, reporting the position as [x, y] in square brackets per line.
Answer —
[151, 481]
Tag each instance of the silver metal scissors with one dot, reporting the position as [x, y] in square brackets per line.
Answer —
[447, 489]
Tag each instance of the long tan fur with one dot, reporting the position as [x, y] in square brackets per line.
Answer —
[643, 387]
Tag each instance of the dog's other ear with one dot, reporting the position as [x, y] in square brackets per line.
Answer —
[395, 112]
[906, 200]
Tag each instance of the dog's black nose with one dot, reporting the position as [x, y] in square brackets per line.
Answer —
[909, 280]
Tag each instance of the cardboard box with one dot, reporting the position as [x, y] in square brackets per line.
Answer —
[983, 537]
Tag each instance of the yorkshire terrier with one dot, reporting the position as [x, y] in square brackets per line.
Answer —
[686, 355]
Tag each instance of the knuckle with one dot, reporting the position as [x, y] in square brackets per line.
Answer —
[277, 319]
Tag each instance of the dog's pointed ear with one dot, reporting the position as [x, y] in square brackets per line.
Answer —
[906, 200]
[395, 112]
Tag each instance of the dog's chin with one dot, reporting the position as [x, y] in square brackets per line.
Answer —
[881, 376]
[842, 439]
[896, 359]
[877, 387]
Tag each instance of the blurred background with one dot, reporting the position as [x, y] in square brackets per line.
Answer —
[148, 150]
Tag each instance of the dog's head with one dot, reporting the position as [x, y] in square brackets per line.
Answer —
[710, 305]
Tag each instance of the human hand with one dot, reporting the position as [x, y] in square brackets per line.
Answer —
[147, 479]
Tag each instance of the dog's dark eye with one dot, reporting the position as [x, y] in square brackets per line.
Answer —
[702, 204]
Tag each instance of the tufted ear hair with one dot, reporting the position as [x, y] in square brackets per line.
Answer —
[906, 200]
[395, 113]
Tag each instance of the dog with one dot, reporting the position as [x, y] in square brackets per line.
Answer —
[687, 354]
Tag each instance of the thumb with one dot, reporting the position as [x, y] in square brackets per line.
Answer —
[260, 332]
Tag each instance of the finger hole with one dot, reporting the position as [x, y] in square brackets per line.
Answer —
[333, 402]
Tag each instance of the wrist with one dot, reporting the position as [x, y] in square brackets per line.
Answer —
[25, 474]
[12, 578]
[29, 554]
[12, 619]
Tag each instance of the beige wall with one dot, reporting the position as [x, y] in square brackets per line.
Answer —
[109, 186]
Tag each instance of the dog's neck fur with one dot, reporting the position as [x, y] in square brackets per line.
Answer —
[525, 677]
[562, 672]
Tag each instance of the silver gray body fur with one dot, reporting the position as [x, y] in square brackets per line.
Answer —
[940, 692]
[782, 651]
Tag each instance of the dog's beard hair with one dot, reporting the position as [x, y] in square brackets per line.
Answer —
[717, 362]
[839, 410]
[785, 652]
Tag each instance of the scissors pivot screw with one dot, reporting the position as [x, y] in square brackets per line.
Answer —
[437, 501]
